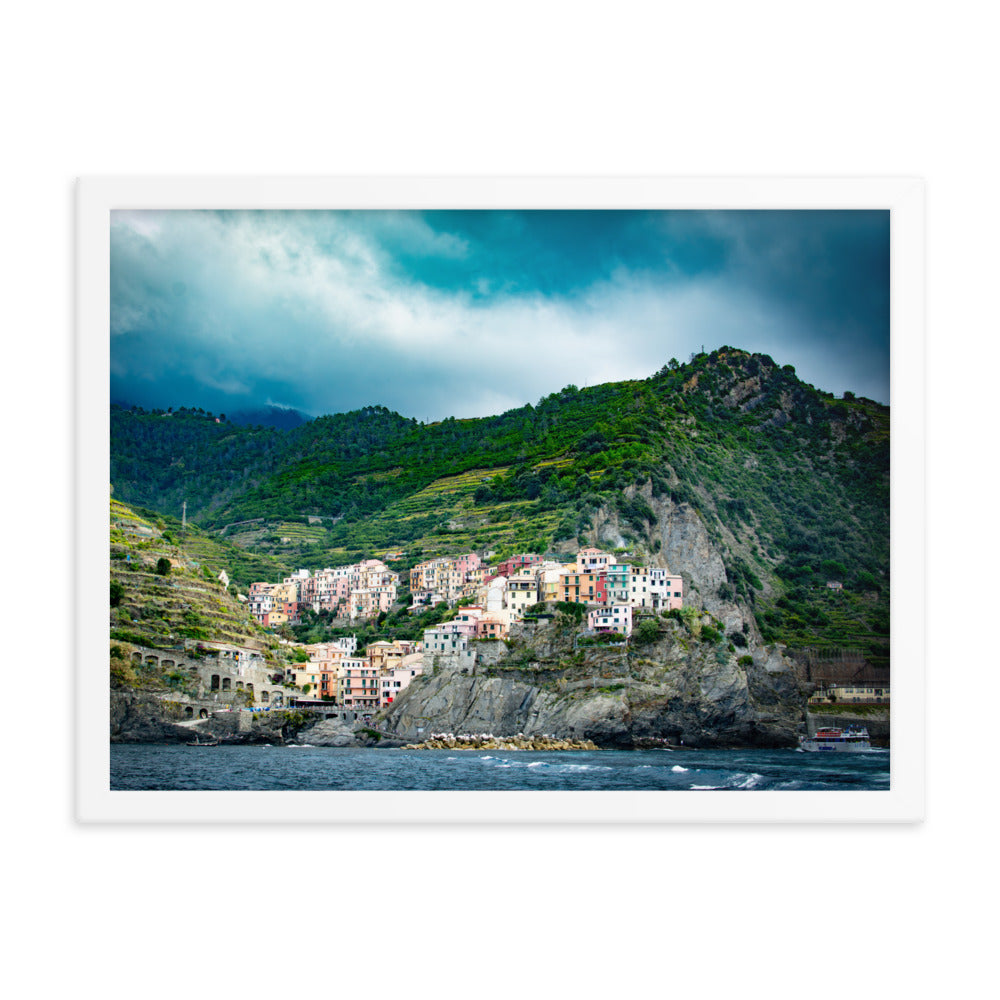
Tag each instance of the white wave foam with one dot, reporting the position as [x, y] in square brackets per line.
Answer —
[679, 769]
[704, 788]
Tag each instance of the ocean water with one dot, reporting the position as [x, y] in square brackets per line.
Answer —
[308, 768]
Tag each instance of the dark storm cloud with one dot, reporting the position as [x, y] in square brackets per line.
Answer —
[469, 313]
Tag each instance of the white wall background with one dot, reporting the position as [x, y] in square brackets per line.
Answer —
[855, 88]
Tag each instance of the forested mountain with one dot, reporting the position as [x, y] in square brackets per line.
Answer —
[791, 483]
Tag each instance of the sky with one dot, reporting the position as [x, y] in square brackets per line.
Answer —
[470, 313]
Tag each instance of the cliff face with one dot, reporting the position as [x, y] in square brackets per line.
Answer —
[679, 541]
[678, 688]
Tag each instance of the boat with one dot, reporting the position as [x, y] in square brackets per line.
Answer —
[852, 739]
[207, 743]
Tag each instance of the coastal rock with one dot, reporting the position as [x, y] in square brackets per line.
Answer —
[678, 689]
[139, 718]
[328, 733]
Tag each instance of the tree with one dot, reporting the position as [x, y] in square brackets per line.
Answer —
[163, 566]
[646, 632]
[117, 592]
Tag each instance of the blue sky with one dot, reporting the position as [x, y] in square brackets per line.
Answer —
[468, 313]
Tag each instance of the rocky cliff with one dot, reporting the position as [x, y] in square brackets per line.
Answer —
[676, 538]
[684, 684]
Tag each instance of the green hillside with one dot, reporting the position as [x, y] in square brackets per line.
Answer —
[791, 483]
[165, 588]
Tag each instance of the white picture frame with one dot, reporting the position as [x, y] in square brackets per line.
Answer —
[902, 802]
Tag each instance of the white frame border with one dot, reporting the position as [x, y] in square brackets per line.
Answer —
[902, 802]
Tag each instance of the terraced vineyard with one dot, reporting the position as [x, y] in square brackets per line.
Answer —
[186, 601]
[444, 518]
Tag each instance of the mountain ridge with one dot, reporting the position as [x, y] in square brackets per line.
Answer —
[790, 483]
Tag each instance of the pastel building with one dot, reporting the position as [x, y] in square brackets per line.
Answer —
[655, 588]
[515, 564]
[259, 600]
[492, 627]
[614, 618]
[468, 618]
[590, 560]
[445, 579]
[359, 686]
[548, 581]
[442, 640]
[617, 579]
[388, 655]
[668, 588]
[329, 681]
[583, 587]
[521, 592]
[395, 680]
[306, 676]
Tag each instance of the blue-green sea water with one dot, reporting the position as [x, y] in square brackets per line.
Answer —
[307, 768]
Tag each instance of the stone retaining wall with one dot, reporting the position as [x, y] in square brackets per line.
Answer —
[220, 680]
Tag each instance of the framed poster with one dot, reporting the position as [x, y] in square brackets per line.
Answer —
[500, 500]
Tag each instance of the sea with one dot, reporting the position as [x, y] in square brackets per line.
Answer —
[311, 768]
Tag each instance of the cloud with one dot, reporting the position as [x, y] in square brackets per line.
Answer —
[466, 314]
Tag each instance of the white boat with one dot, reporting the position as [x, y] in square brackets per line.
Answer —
[831, 739]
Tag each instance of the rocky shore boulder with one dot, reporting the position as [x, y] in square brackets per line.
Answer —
[329, 733]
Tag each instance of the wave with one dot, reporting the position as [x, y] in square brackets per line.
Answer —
[678, 769]
[725, 779]
[554, 766]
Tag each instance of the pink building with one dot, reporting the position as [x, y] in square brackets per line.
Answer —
[467, 619]
[491, 627]
[394, 681]
[359, 687]
[468, 563]
[616, 618]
